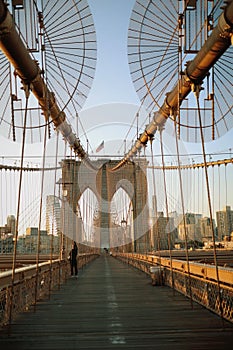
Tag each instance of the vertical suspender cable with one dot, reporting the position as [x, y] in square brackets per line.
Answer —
[135, 219]
[168, 227]
[193, 173]
[213, 196]
[155, 205]
[6, 188]
[1, 199]
[88, 214]
[43, 64]
[183, 213]
[202, 188]
[63, 252]
[40, 217]
[46, 132]
[75, 199]
[73, 209]
[65, 212]
[27, 92]
[219, 179]
[198, 193]
[54, 218]
[60, 232]
[225, 174]
[197, 92]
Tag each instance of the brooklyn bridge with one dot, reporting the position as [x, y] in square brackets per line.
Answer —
[116, 134]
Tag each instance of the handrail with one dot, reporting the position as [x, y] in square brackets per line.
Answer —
[51, 274]
[199, 282]
[25, 272]
[206, 271]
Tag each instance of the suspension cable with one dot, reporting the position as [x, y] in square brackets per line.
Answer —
[54, 218]
[27, 93]
[225, 171]
[40, 216]
[154, 205]
[168, 226]
[197, 89]
[183, 212]
[213, 192]
[62, 242]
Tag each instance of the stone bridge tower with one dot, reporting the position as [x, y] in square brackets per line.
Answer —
[103, 182]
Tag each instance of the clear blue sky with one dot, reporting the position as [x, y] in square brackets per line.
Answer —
[112, 79]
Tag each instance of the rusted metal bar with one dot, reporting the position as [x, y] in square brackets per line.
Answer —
[197, 269]
[194, 166]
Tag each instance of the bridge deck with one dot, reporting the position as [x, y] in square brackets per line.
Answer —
[113, 306]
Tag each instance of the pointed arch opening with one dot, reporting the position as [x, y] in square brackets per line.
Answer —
[89, 217]
[121, 221]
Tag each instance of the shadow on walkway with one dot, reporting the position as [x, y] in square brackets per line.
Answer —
[113, 306]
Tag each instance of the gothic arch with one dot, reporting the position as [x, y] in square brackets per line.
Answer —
[76, 177]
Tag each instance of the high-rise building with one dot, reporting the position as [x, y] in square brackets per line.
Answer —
[206, 229]
[177, 217]
[154, 205]
[29, 243]
[33, 231]
[190, 225]
[11, 224]
[164, 231]
[224, 222]
[53, 215]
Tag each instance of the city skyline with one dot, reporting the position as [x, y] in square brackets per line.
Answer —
[110, 111]
[54, 221]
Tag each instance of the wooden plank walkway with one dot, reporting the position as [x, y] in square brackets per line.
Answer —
[113, 306]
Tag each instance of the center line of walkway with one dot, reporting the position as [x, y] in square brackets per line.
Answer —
[115, 323]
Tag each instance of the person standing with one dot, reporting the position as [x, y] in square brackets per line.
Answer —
[73, 259]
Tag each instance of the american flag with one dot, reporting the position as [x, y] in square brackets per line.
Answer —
[100, 147]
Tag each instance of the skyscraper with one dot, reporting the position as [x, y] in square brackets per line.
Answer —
[224, 222]
[11, 224]
[53, 219]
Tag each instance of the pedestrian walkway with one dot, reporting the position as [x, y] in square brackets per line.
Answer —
[113, 306]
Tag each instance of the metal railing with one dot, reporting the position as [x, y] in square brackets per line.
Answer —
[32, 284]
[200, 283]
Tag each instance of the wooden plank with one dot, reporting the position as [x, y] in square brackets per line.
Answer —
[113, 306]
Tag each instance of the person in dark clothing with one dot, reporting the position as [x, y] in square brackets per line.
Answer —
[73, 259]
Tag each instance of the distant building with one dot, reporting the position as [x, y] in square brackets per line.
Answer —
[11, 224]
[7, 234]
[71, 223]
[4, 231]
[53, 215]
[33, 231]
[164, 230]
[224, 222]
[29, 243]
[6, 240]
[176, 216]
[154, 205]
[190, 226]
[206, 229]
